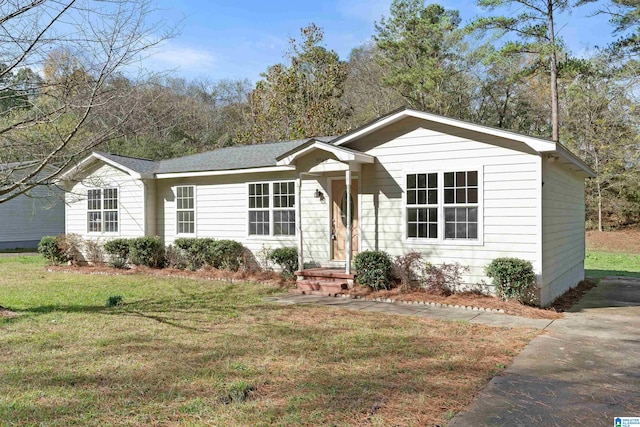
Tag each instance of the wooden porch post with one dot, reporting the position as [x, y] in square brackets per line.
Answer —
[299, 222]
[347, 269]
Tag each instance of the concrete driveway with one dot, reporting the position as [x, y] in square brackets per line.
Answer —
[584, 372]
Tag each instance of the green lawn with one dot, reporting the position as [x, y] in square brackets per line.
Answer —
[600, 264]
[186, 353]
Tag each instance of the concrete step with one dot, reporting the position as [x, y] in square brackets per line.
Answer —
[321, 285]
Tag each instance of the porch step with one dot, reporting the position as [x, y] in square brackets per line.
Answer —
[319, 287]
[325, 273]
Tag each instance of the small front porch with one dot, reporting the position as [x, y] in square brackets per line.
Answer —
[337, 175]
[323, 281]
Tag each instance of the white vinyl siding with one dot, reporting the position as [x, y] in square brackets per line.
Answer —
[130, 202]
[563, 237]
[185, 210]
[507, 196]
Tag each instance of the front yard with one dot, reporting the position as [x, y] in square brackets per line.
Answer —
[191, 352]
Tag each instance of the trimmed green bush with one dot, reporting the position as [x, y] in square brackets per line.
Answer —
[226, 254]
[196, 251]
[118, 250]
[513, 278]
[374, 269]
[286, 258]
[50, 247]
[147, 251]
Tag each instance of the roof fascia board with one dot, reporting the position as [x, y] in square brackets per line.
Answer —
[80, 165]
[342, 154]
[224, 172]
[570, 157]
[537, 144]
[117, 165]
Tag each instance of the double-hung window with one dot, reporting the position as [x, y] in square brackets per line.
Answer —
[102, 210]
[442, 205]
[185, 209]
[272, 209]
[422, 205]
[461, 205]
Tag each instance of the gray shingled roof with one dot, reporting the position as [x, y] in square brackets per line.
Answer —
[142, 166]
[229, 158]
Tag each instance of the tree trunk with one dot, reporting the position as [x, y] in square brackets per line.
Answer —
[555, 125]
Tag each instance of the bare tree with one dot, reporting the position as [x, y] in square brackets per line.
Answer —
[84, 65]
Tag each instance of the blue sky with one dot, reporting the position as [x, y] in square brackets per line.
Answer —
[240, 39]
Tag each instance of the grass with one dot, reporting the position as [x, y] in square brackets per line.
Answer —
[187, 353]
[601, 264]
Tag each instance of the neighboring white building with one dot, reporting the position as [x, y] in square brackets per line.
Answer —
[452, 190]
[25, 219]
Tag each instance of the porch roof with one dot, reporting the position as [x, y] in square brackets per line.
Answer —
[343, 154]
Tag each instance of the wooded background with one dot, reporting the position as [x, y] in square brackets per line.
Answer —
[64, 94]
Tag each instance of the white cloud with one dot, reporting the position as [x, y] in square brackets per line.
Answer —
[189, 59]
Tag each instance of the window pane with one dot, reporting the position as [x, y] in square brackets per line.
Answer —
[433, 231]
[411, 197]
[472, 178]
[258, 222]
[448, 196]
[433, 215]
[461, 195]
[461, 179]
[473, 214]
[111, 221]
[433, 197]
[461, 231]
[472, 195]
[450, 214]
[422, 230]
[461, 215]
[412, 215]
[412, 230]
[450, 230]
[433, 180]
[422, 197]
[448, 179]
[473, 231]
[422, 180]
[411, 181]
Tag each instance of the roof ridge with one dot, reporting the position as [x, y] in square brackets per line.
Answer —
[127, 157]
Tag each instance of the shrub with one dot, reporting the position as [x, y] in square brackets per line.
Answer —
[373, 269]
[286, 258]
[114, 300]
[49, 247]
[513, 278]
[174, 258]
[94, 252]
[147, 251]
[226, 254]
[444, 279]
[196, 251]
[70, 245]
[118, 250]
[407, 269]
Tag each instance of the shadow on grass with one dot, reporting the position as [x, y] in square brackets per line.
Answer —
[600, 273]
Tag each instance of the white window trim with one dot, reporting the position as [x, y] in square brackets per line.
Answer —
[441, 241]
[195, 210]
[271, 210]
[102, 211]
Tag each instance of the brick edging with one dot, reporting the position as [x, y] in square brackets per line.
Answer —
[427, 303]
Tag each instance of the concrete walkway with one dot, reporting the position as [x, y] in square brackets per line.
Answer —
[584, 372]
[443, 313]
